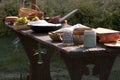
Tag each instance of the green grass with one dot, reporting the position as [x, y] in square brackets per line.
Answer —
[11, 62]
[11, 66]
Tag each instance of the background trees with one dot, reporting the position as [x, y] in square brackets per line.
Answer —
[92, 13]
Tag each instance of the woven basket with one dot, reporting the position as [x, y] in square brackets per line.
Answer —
[21, 27]
[78, 39]
[23, 12]
[55, 36]
[26, 12]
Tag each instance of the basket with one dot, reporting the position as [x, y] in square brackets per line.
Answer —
[21, 27]
[23, 12]
[55, 36]
[26, 12]
[78, 39]
[78, 35]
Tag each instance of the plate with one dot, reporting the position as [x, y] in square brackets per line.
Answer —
[113, 44]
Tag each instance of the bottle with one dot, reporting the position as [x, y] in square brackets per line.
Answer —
[89, 39]
[65, 24]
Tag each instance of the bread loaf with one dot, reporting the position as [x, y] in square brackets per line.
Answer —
[80, 31]
[109, 38]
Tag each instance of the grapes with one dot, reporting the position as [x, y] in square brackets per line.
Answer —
[25, 20]
[22, 21]
[35, 18]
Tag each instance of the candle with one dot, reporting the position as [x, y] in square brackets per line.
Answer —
[89, 38]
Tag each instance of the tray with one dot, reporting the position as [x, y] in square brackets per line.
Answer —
[101, 31]
[115, 45]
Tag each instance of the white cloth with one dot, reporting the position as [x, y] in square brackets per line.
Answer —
[71, 28]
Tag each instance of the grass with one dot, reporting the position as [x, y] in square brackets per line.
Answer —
[13, 65]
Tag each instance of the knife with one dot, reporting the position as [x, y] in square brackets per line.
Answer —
[67, 15]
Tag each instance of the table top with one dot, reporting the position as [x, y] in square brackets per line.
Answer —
[43, 38]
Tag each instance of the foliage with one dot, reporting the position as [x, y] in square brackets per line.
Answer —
[100, 13]
[92, 13]
[7, 9]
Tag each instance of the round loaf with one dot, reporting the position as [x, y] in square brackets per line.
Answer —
[80, 31]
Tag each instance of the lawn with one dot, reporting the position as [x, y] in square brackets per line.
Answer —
[13, 65]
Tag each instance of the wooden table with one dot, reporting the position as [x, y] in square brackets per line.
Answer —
[76, 58]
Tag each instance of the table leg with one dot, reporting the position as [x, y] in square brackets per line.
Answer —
[103, 66]
[77, 66]
[38, 70]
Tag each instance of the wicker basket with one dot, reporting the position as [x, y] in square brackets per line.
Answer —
[55, 36]
[21, 27]
[78, 39]
[26, 12]
[30, 12]
[78, 35]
